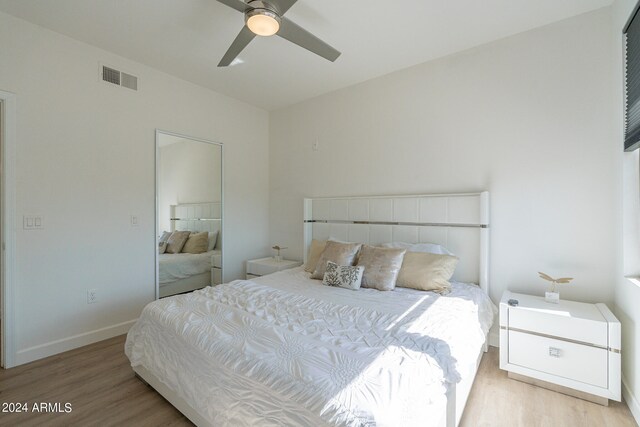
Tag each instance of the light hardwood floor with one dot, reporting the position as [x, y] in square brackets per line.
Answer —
[99, 383]
[498, 401]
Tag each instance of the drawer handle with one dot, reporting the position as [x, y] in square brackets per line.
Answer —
[554, 352]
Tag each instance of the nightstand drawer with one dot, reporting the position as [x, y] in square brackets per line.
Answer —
[577, 362]
[551, 321]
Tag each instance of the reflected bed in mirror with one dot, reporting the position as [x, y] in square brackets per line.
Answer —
[189, 214]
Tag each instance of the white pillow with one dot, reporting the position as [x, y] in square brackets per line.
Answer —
[343, 276]
[213, 238]
[431, 248]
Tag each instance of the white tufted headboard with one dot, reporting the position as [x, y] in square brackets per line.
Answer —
[197, 217]
[459, 222]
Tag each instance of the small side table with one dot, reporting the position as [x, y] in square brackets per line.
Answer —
[263, 266]
[570, 347]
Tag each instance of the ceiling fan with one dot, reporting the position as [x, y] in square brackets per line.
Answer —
[265, 18]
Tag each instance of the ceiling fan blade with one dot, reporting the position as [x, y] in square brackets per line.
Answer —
[303, 38]
[238, 5]
[241, 41]
[283, 5]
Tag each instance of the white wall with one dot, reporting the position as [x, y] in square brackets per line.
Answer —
[527, 118]
[188, 172]
[627, 294]
[85, 160]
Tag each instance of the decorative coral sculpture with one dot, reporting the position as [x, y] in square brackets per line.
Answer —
[278, 248]
[553, 281]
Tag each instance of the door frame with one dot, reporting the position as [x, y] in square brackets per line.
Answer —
[8, 224]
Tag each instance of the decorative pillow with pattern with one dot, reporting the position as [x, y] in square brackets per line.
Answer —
[343, 276]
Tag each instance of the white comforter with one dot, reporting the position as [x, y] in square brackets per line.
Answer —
[285, 350]
[172, 267]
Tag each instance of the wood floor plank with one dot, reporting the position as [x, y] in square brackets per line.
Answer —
[99, 383]
[498, 401]
[103, 390]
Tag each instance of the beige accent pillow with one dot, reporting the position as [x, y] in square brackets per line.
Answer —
[196, 243]
[162, 242]
[427, 272]
[176, 241]
[381, 266]
[315, 251]
[339, 253]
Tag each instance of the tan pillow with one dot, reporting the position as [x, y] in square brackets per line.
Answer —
[162, 242]
[339, 253]
[381, 266]
[427, 272]
[315, 251]
[196, 243]
[176, 241]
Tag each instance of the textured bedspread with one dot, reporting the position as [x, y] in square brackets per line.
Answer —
[288, 351]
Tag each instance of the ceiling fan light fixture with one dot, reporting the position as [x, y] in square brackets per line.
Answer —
[262, 22]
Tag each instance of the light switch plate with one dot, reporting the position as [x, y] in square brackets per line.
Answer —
[33, 222]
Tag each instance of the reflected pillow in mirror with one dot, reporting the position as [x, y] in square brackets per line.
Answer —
[196, 243]
[176, 241]
[381, 266]
[339, 253]
[212, 239]
[343, 276]
[162, 241]
[427, 272]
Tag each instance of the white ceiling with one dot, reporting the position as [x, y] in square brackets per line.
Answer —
[187, 38]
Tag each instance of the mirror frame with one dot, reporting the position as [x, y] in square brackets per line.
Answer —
[156, 201]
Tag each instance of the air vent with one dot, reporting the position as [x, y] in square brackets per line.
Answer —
[111, 75]
[129, 81]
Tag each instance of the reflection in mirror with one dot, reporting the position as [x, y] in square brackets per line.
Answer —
[189, 213]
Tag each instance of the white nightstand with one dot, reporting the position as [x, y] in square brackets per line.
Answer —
[570, 347]
[264, 266]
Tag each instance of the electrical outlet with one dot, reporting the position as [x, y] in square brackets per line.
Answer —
[315, 146]
[92, 296]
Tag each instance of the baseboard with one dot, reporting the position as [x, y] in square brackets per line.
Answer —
[494, 339]
[631, 400]
[58, 346]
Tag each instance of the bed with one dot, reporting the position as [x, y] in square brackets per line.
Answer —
[285, 350]
[179, 273]
[182, 272]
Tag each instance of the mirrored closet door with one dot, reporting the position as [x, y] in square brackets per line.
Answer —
[189, 198]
